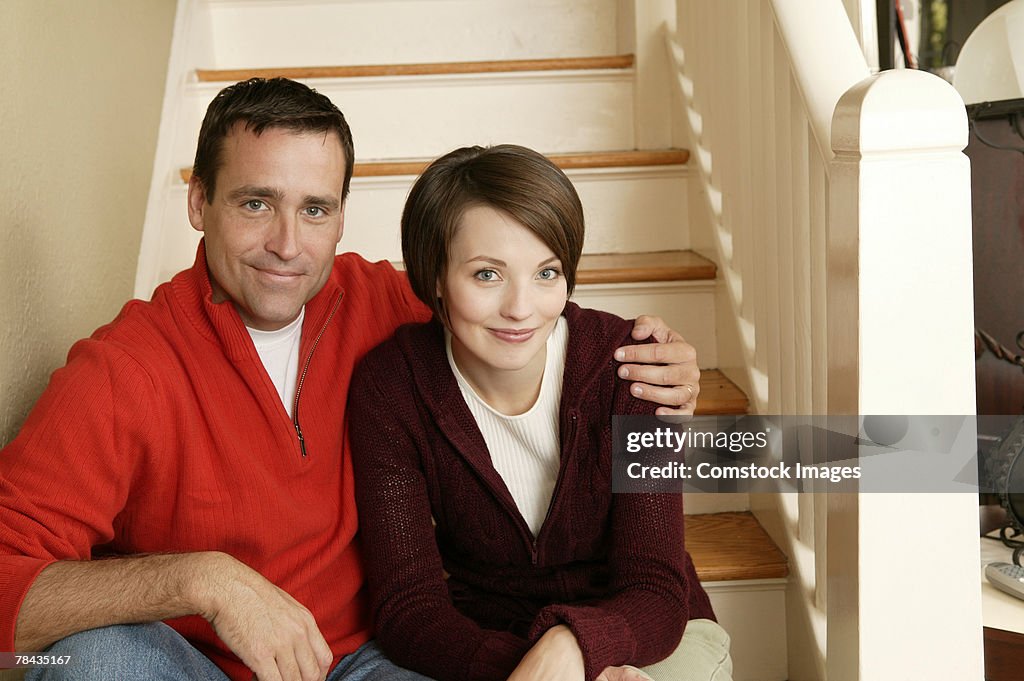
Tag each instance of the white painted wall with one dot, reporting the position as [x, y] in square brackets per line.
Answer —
[82, 84]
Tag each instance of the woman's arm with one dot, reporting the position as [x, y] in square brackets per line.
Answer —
[417, 624]
[555, 657]
[641, 618]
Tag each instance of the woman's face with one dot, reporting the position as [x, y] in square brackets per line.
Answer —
[503, 293]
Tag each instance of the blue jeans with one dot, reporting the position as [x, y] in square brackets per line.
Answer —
[155, 651]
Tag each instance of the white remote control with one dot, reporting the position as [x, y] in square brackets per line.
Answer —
[1006, 577]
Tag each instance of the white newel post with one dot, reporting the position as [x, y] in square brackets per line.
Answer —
[904, 600]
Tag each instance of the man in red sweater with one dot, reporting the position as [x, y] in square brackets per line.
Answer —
[196, 443]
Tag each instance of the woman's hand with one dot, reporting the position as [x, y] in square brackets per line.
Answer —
[554, 657]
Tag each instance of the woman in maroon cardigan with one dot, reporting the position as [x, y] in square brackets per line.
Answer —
[494, 546]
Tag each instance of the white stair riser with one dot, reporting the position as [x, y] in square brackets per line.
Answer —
[688, 307]
[697, 503]
[634, 210]
[426, 116]
[754, 613]
[626, 211]
[248, 34]
[630, 210]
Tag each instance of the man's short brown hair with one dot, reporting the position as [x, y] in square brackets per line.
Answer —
[507, 177]
[260, 103]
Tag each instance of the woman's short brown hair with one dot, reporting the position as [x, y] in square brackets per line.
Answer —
[507, 177]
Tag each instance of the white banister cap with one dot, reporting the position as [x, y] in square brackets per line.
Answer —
[899, 110]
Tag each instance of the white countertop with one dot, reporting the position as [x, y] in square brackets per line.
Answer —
[999, 610]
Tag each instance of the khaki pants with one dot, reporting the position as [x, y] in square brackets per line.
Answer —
[702, 655]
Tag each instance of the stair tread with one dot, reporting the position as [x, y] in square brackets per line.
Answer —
[601, 159]
[732, 546]
[621, 61]
[619, 268]
[719, 395]
[630, 158]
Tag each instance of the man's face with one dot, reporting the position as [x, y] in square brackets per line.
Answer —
[273, 226]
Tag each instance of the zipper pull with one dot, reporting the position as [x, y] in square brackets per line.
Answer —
[302, 440]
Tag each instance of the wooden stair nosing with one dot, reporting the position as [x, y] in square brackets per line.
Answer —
[621, 61]
[604, 159]
[622, 268]
[601, 159]
[732, 546]
[719, 395]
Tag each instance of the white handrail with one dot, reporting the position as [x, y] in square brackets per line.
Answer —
[825, 58]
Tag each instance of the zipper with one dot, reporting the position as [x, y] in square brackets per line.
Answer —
[305, 370]
[302, 440]
[534, 551]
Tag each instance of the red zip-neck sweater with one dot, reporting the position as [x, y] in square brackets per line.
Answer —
[164, 433]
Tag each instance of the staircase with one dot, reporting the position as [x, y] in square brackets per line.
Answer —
[583, 81]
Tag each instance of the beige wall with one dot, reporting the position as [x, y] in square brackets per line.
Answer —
[81, 87]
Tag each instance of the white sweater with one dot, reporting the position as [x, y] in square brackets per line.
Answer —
[524, 448]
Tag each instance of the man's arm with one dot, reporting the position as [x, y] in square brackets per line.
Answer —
[274, 635]
[64, 479]
[71, 596]
[664, 372]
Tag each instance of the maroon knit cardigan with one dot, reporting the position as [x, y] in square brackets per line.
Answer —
[611, 567]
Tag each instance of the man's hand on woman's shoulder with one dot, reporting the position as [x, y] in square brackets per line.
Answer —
[664, 372]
